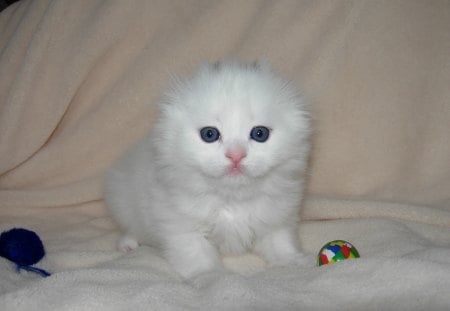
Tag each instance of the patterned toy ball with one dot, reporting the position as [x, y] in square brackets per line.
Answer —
[335, 251]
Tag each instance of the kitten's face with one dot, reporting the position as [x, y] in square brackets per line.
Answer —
[235, 123]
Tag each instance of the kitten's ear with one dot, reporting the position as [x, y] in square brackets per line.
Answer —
[261, 65]
[211, 67]
[217, 66]
[257, 65]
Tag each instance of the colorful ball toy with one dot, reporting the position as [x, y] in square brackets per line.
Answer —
[335, 251]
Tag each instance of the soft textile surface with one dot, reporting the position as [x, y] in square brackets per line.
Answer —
[78, 83]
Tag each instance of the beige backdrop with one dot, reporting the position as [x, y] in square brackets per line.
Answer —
[78, 84]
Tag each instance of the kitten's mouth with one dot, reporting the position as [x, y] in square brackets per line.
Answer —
[235, 171]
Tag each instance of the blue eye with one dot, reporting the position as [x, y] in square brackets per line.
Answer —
[209, 134]
[260, 133]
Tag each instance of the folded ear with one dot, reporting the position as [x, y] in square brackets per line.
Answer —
[261, 64]
[217, 65]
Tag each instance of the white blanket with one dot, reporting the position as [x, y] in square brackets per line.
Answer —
[403, 266]
[78, 83]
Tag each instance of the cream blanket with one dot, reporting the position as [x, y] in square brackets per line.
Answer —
[78, 83]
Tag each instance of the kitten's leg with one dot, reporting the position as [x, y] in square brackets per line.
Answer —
[127, 243]
[192, 254]
[280, 247]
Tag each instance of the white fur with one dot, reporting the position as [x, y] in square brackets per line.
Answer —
[174, 190]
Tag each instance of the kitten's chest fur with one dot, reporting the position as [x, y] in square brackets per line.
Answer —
[234, 225]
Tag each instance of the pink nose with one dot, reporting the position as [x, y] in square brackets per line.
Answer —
[236, 154]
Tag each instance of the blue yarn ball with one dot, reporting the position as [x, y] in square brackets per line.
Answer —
[22, 246]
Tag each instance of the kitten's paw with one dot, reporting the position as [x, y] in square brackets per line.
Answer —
[296, 259]
[303, 260]
[127, 244]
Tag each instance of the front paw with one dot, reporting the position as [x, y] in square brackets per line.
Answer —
[127, 244]
[298, 259]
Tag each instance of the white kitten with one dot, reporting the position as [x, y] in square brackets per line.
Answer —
[220, 173]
